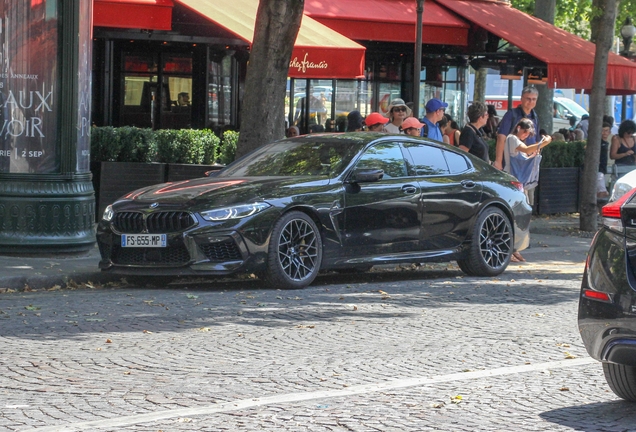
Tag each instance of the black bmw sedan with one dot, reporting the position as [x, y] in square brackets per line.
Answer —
[322, 202]
[607, 303]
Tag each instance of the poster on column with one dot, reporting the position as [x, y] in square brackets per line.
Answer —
[84, 86]
[28, 87]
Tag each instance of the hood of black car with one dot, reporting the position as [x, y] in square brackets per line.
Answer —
[220, 191]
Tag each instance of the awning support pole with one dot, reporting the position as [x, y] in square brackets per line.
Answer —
[417, 61]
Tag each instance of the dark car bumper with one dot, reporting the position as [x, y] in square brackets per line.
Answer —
[199, 251]
[607, 304]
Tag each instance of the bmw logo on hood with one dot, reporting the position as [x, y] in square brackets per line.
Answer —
[154, 205]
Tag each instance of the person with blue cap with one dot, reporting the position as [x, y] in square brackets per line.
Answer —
[434, 112]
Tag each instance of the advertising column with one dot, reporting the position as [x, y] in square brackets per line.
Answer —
[46, 197]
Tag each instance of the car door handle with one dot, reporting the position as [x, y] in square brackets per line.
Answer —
[468, 184]
[409, 189]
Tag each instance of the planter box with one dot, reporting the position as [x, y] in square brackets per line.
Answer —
[119, 178]
[180, 172]
[112, 180]
[558, 190]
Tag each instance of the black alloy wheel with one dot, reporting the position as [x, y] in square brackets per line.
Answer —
[295, 252]
[491, 246]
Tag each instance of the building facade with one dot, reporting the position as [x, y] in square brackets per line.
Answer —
[181, 63]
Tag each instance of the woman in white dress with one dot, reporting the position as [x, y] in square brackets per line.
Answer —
[516, 147]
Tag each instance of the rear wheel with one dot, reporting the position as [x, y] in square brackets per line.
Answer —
[491, 245]
[621, 379]
[294, 253]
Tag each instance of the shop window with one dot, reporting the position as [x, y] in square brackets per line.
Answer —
[386, 93]
[352, 95]
[220, 91]
[147, 106]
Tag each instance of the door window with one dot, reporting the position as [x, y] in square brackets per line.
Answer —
[427, 160]
[387, 157]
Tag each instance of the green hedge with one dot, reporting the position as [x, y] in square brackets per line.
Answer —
[557, 154]
[227, 151]
[131, 144]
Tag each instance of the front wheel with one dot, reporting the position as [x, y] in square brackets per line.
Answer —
[621, 379]
[294, 252]
[491, 245]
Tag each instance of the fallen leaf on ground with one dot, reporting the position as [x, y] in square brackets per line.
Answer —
[456, 399]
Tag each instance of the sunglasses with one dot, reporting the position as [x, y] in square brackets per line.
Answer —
[399, 109]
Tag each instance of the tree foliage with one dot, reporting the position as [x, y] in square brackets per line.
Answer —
[575, 16]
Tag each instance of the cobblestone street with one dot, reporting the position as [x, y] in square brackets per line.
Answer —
[396, 349]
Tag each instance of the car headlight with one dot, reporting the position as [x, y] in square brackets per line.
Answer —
[108, 213]
[234, 212]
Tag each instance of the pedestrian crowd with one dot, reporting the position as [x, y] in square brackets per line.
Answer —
[519, 139]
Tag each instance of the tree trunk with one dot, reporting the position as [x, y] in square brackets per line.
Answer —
[263, 109]
[479, 94]
[545, 10]
[604, 38]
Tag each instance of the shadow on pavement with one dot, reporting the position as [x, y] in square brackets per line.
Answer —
[69, 314]
[617, 415]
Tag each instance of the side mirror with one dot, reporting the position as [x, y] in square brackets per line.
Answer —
[367, 175]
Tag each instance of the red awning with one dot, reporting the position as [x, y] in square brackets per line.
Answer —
[137, 14]
[569, 58]
[319, 52]
[389, 21]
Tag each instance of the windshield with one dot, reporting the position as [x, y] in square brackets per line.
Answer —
[326, 156]
[573, 107]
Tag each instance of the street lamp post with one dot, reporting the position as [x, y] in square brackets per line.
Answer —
[417, 61]
[627, 32]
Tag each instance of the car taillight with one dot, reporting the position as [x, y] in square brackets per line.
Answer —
[596, 295]
[612, 212]
[518, 185]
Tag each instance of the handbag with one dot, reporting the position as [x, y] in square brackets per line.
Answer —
[526, 169]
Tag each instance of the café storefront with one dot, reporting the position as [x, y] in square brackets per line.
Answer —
[151, 54]
[165, 48]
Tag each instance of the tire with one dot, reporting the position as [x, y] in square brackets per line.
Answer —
[621, 379]
[491, 245]
[294, 253]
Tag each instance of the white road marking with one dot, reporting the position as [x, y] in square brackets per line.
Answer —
[300, 397]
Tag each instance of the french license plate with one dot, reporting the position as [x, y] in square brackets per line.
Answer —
[144, 240]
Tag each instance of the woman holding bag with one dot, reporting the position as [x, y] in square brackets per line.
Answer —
[521, 160]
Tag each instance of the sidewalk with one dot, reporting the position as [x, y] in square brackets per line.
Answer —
[45, 272]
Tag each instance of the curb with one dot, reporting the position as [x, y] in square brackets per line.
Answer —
[73, 280]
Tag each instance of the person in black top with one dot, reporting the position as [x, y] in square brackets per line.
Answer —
[601, 189]
[471, 138]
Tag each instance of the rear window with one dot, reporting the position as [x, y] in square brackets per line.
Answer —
[456, 163]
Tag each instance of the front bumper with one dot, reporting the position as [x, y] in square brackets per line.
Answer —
[198, 252]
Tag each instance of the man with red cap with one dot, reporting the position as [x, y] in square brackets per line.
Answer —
[375, 122]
